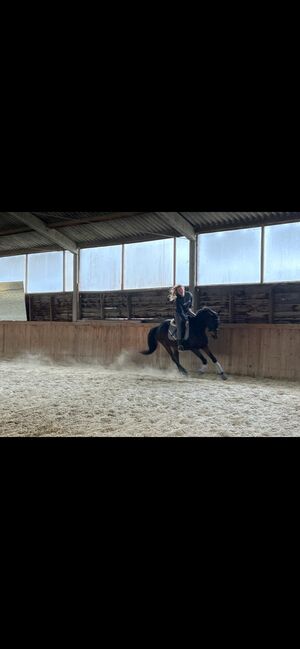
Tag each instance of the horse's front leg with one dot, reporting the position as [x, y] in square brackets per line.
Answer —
[202, 358]
[215, 361]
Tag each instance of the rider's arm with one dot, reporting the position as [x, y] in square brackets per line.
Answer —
[181, 312]
[190, 304]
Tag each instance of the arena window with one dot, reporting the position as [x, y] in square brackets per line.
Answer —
[281, 258]
[149, 264]
[182, 275]
[45, 272]
[101, 268]
[69, 270]
[229, 257]
[12, 269]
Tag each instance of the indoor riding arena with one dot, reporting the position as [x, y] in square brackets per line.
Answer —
[80, 292]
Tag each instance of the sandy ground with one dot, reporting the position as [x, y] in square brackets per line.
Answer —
[41, 398]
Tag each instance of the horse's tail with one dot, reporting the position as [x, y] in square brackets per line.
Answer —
[152, 342]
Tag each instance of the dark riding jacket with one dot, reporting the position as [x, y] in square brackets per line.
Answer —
[183, 304]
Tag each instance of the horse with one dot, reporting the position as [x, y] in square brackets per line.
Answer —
[204, 319]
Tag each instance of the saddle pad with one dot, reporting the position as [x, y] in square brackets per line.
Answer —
[172, 330]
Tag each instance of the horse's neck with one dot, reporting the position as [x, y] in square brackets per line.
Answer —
[201, 319]
[200, 315]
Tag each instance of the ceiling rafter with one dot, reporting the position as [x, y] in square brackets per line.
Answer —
[178, 223]
[53, 235]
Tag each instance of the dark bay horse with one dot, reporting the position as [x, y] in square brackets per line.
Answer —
[205, 319]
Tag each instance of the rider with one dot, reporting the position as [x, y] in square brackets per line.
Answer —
[184, 302]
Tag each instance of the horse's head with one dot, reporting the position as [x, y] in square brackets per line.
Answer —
[210, 320]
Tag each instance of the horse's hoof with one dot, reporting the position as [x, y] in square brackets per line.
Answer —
[202, 370]
[224, 376]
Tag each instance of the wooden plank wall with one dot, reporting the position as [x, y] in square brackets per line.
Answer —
[261, 350]
[49, 307]
[256, 304]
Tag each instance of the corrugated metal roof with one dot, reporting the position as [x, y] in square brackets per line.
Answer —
[26, 240]
[102, 228]
[211, 220]
[123, 228]
[7, 221]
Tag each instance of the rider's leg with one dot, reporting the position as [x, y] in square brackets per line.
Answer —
[179, 325]
[187, 330]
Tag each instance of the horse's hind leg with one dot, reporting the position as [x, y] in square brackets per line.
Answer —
[175, 358]
[202, 358]
[215, 361]
[175, 354]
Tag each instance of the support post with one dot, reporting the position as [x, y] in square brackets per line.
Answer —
[75, 287]
[193, 268]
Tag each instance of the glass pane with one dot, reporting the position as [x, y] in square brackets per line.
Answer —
[69, 270]
[182, 261]
[232, 257]
[45, 272]
[12, 269]
[100, 269]
[282, 258]
[149, 264]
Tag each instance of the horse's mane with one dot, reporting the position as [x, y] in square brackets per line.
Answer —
[206, 309]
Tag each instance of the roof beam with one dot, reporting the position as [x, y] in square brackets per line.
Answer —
[27, 251]
[51, 234]
[73, 222]
[93, 219]
[179, 224]
[86, 244]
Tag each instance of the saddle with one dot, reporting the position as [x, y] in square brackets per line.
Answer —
[172, 332]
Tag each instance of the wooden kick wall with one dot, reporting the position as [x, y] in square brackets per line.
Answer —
[249, 304]
[260, 350]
